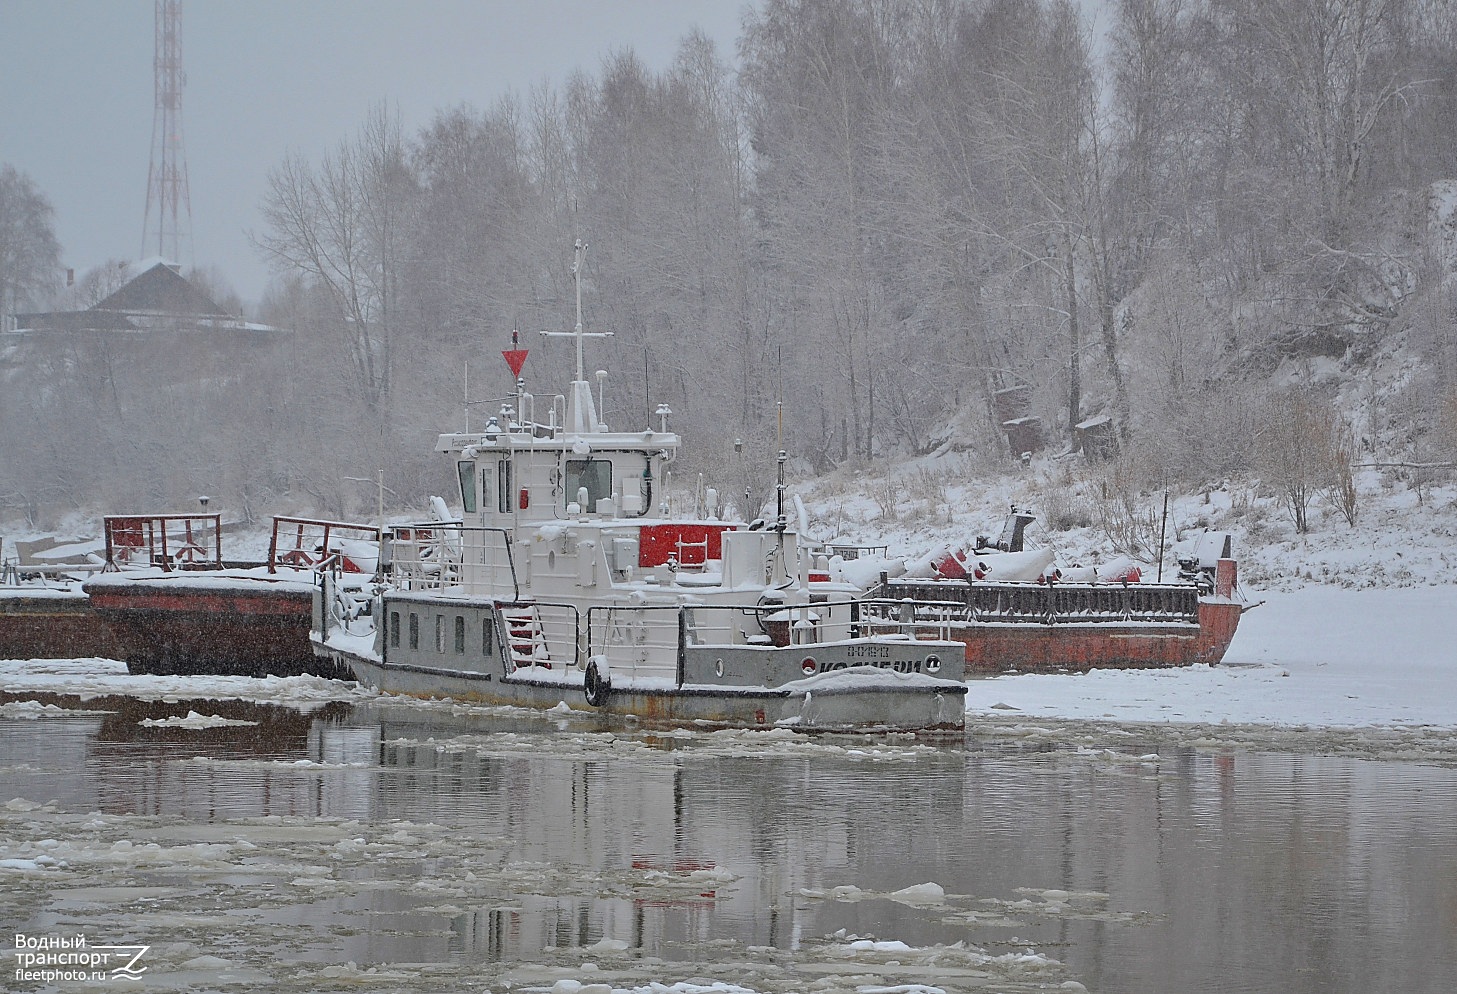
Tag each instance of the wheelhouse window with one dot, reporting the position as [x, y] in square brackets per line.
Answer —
[459, 635]
[593, 474]
[488, 638]
[503, 486]
[395, 629]
[414, 630]
[467, 472]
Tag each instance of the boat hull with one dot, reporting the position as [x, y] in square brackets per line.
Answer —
[1031, 647]
[174, 627]
[1074, 627]
[52, 625]
[864, 699]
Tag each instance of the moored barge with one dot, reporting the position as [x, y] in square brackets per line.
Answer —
[174, 605]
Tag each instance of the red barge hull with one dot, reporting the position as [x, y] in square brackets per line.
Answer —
[180, 609]
[1039, 628]
[53, 626]
[1073, 647]
[169, 627]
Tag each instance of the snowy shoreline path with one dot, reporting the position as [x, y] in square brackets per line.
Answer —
[1313, 657]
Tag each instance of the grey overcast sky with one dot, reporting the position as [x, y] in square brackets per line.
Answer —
[267, 77]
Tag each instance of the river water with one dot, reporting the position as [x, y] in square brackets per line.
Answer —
[403, 846]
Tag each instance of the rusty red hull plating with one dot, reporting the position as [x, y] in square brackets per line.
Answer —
[213, 631]
[53, 628]
[1029, 648]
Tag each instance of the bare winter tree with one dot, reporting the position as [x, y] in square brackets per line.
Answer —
[819, 75]
[29, 252]
[1305, 88]
[661, 173]
[343, 226]
[1302, 450]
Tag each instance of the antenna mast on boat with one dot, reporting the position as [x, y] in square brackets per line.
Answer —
[780, 521]
[579, 250]
[583, 415]
[515, 358]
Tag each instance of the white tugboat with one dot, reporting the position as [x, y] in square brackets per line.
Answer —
[566, 581]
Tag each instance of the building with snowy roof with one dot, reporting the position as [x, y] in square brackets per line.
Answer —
[159, 299]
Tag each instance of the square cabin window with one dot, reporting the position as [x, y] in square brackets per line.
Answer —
[595, 475]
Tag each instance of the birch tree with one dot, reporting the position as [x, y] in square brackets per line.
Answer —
[819, 75]
[343, 226]
[29, 252]
[1311, 83]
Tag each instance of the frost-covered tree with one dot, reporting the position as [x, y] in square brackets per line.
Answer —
[29, 252]
[820, 77]
[344, 225]
[1302, 449]
[1304, 188]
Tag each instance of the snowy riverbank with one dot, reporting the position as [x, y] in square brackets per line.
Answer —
[1352, 634]
[1316, 656]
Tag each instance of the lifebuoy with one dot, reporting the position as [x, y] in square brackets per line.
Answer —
[596, 686]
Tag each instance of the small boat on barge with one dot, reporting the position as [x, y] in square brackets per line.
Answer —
[568, 582]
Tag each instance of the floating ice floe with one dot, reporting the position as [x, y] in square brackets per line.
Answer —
[193, 720]
[30, 710]
[90, 678]
[37, 864]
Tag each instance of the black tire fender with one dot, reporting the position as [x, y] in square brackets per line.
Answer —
[596, 685]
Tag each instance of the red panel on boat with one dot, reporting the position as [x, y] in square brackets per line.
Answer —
[692, 543]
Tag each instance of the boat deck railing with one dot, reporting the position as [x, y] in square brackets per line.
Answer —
[850, 551]
[14, 573]
[305, 543]
[430, 555]
[193, 541]
[1023, 603]
[171, 541]
[641, 640]
[533, 633]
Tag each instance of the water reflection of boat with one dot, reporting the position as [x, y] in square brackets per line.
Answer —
[435, 847]
[399, 833]
[640, 851]
[568, 582]
[67, 732]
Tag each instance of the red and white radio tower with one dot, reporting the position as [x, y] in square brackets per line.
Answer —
[168, 224]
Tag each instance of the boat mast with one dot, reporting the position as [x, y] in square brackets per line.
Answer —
[582, 417]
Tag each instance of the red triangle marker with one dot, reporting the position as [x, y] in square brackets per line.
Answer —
[515, 358]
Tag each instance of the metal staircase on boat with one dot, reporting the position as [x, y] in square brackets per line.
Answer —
[525, 637]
